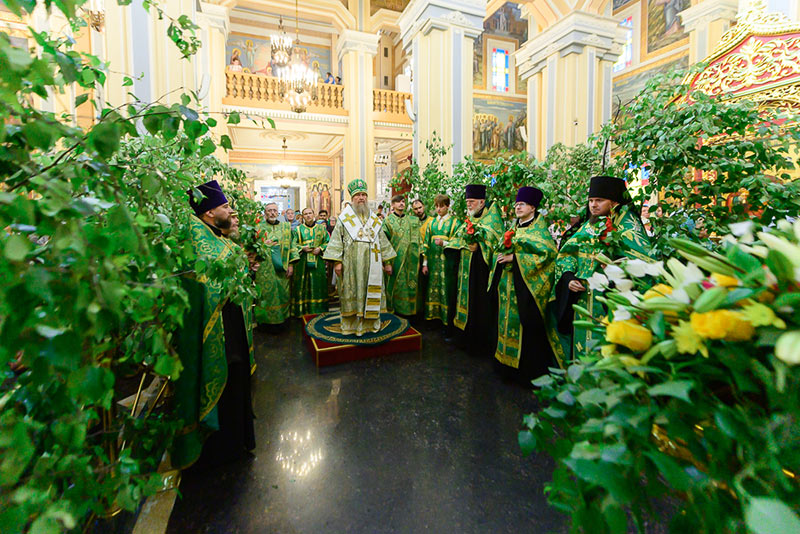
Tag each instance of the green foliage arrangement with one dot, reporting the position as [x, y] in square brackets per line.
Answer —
[92, 247]
[692, 412]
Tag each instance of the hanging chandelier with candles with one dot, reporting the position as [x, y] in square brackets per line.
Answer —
[281, 47]
[298, 83]
[283, 171]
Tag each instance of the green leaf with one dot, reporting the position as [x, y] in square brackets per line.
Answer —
[234, 118]
[81, 99]
[765, 515]
[39, 134]
[527, 442]
[17, 247]
[92, 384]
[225, 141]
[127, 81]
[605, 475]
[105, 138]
[672, 472]
[207, 148]
[677, 388]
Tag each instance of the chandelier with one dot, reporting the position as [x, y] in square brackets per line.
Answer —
[298, 83]
[283, 171]
[281, 47]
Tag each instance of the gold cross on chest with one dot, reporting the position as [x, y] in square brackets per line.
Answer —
[376, 251]
[349, 219]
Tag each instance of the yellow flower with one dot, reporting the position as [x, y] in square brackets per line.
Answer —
[631, 334]
[760, 315]
[722, 324]
[687, 340]
[658, 290]
[723, 280]
[608, 351]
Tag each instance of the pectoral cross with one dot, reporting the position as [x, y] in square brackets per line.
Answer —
[376, 251]
[349, 219]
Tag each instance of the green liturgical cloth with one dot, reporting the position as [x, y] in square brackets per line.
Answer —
[271, 281]
[201, 346]
[535, 252]
[403, 284]
[441, 267]
[579, 257]
[310, 279]
[488, 233]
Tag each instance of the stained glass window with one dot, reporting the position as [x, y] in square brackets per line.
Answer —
[626, 58]
[500, 70]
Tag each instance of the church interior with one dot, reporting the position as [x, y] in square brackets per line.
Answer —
[422, 423]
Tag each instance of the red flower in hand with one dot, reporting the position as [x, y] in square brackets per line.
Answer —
[507, 238]
[609, 228]
[470, 228]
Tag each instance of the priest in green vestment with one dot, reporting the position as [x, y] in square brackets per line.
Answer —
[422, 284]
[476, 308]
[361, 253]
[310, 278]
[403, 233]
[441, 268]
[272, 278]
[612, 227]
[233, 235]
[523, 277]
[212, 393]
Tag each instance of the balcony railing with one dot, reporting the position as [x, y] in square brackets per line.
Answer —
[390, 106]
[257, 91]
[254, 90]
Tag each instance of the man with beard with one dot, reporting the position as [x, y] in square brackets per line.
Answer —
[611, 227]
[476, 308]
[523, 278]
[361, 253]
[441, 268]
[212, 394]
[310, 280]
[274, 238]
[422, 285]
[404, 235]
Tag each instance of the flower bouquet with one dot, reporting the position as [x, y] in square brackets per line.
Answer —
[694, 398]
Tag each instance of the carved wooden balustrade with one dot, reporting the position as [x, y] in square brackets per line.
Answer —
[390, 106]
[258, 91]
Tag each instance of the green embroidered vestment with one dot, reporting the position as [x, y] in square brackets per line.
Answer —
[534, 252]
[441, 268]
[310, 278]
[489, 229]
[273, 285]
[403, 284]
[201, 346]
[579, 256]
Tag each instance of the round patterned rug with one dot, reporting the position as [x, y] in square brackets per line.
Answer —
[326, 327]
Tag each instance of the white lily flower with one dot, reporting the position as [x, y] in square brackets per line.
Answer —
[797, 229]
[597, 282]
[622, 314]
[623, 285]
[680, 295]
[636, 268]
[692, 274]
[796, 274]
[787, 348]
[790, 250]
[785, 226]
[614, 273]
[741, 228]
[675, 274]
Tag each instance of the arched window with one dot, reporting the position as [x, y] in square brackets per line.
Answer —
[500, 70]
[626, 58]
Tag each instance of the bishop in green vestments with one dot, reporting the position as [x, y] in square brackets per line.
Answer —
[404, 235]
[523, 276]
[361, 253]
[441, 268]
[212, 394]
[272, 278]
[613, 228]
[310, 278]
[476, 309]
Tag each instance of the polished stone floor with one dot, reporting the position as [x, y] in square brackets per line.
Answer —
[406, 443]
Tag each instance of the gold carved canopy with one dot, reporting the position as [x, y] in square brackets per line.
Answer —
[758, 59]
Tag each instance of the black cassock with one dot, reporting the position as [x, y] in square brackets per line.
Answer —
[480, 332]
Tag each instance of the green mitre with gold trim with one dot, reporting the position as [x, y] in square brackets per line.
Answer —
[357, 186]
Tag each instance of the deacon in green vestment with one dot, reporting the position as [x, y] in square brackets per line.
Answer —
[422, 285]
[272, 278]
[362, 253]
[523, 276]
[403, 233]
[612, 227]
[476, 308]
[310, 278]
[441, 268]
[212, 394]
